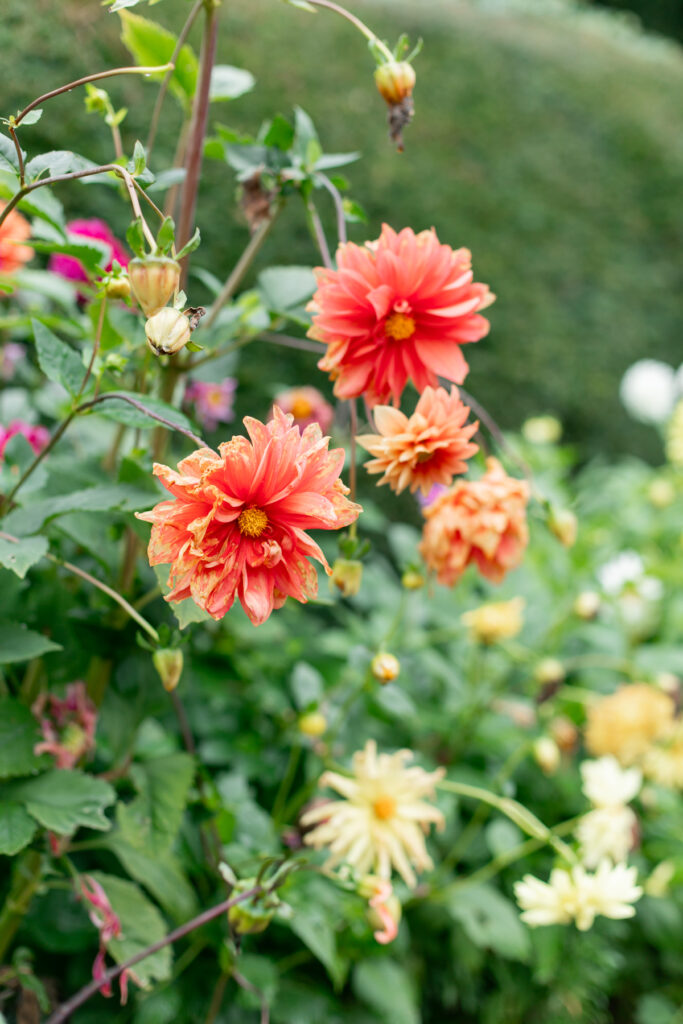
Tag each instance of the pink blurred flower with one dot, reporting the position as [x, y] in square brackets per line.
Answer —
[212, 402]
[36, 436]
[108, 924]
[435, 492]
[73, 269]
[12, 354]
[306, 405]
[68, 725]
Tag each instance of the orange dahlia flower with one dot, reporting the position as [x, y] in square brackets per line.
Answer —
[236, 526]
[397, 309]
[14, 231]
[424, 449]
[481, 521]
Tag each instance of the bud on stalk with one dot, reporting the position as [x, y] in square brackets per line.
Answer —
[153, 279]
[395, 81]
[167, 331]
[169, 664]
[385, 667]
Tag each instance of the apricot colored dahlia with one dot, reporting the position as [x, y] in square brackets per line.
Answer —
[424, 449]
[15, 230]
[236, 526]
[397, 309]
[481, 521]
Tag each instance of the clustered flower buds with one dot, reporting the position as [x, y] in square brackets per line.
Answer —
[167, 331]
[154, 280]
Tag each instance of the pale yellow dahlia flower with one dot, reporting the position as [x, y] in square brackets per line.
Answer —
[380, 823]
[627, 722]
[576, 895]
[495, 621]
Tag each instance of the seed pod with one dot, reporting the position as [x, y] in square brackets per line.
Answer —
[153, 280]
[167, 331]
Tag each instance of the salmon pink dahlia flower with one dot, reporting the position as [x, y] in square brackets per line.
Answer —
[15, 230]
[481, 521]
[424, 449]
[236, 526]
[397, 309]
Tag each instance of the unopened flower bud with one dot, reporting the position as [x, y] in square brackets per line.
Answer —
[668, 682]
[167, 331]
[378, 920]
[153, 279]
[565, 733]
[168, 662]
[547, 754]
[587, 605]
[564, 525]
[658, 883]
[252, 915]
[347, 575]
[395, 80]
[118, 288]
[542, 430]
[548, 671]
[661, 492]
[385, 667]
[313, 724]
[412, 580]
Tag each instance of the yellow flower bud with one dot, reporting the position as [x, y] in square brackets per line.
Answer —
[385, 667]
[347, 575]
[547, 754]
[564, 525]
[313, 724]
[167, 331]
[169, 664]
[395, 81]
[412, 580]
[495, 621]
[549, 671]
[118, 288]
[153, 279]
[587, 605]
[542, 430]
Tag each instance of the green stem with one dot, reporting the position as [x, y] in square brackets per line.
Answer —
[25, 881]
[286, 784]
[361, 26]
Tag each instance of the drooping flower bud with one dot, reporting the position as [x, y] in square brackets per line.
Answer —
[167, 331]
[412, 580]
[395, 81]
[153, 279]
[313, 724]
[564, 525]
[118, 288]
[385, 667]
[347, 575]
[168, 662]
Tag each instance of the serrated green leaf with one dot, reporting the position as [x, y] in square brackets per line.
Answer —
[57, 161]
[17, 643]
[161, 875]
[387, 987]
[57, 360]
[9, 161]
[228, 82]
[123, 412]
[63, 800]
[17, 828]
[284, 288]
[18, 736]
[45, 205]
[20, 557]
[151, 821]
[150, 44]
[92, 253]
[141, 926]
[31, 516]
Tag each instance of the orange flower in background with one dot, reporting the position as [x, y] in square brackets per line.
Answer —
[424, 449]
[236, 526]
[397, 309]
[481, 521]
[14, 231]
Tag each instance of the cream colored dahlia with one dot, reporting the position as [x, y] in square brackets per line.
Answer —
[627, 722]
[379, 823]
[606, 832]
[607, 784]
[663, 762]
[424, 449]
[579, 896]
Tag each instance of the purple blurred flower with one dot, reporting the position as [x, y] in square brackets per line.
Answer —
[12, 354]
[436, 491]
[212, 402]
[73, 269]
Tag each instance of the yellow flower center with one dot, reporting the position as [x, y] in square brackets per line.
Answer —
[399, 326]
[384, 807]
[301, 408]
[252, 522]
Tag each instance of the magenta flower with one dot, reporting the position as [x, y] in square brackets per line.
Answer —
[68, 725]
[36, 436]
[73, 269]
[212, 402]
[108, 924]
[307, 405]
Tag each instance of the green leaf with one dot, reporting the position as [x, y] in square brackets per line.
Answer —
[315, 931]
[186, 612]
[330, 160]
[92, 253]
[228, 82]
[354, 212]
[150, 44]
[166, 235]
[9, 161]
[280, 133]
[387, 987]
[190, 245]
[63, 800]
[151, 821]
[17, 828]
[31, 516]
[33, 116]
[20, 557]
[44, 204]
[135, 237]
[123, 412]
[18, 736]
[161, 875]
[141, 926]
[304, 135]
[57, 360]
[284, 288]
[139, 158]
[491, 921]
[57, 161]
[17, 643]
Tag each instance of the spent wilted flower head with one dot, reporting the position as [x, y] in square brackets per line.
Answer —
[379, 824]
[67, 723]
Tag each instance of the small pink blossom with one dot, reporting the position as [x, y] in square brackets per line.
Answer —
[68, 725]
[212, 402]
[73, 269]
[108, 924]
[307, 405]
[12, 354]
[36, 436]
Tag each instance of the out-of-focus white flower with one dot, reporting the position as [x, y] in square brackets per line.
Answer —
[380, 823]
[578, 895]
[626, 567]
[606, 832]
[607, 784]
[663, 762]
[648, 391]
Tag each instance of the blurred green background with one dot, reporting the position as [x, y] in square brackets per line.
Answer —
[548, 139]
